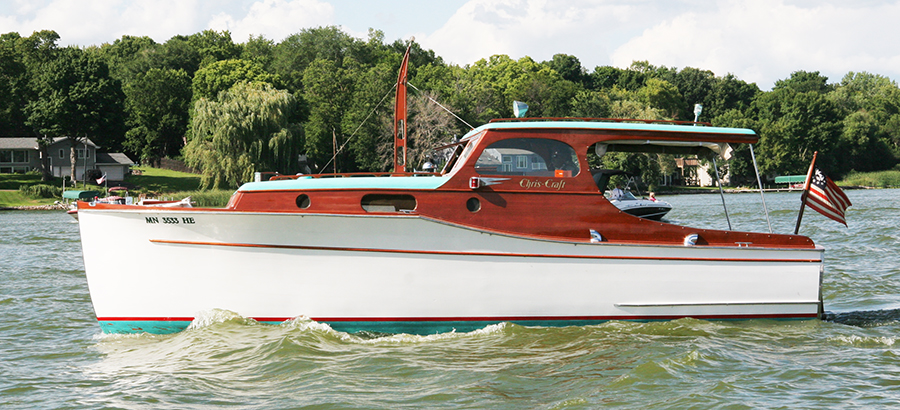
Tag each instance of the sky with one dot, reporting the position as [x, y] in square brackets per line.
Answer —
[759, 41]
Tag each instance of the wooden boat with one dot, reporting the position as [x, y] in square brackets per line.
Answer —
[476, 243]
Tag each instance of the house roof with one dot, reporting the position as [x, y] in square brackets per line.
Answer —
[113, 158]
[31, 142]
[18, 143]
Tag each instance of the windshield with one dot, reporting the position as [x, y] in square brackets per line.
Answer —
[529, 157]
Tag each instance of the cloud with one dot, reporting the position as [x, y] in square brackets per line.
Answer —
[537, 28]
[763, 41]
[275, 19]
[93, 22]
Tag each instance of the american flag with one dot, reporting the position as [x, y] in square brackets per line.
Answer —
[826, 197]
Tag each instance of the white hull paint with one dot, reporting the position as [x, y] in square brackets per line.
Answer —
[404, 269]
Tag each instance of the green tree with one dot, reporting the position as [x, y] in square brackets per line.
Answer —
[128, 56]
[368, 123]
[729, 93]
[259, 50]
[326, 89]
[219, 76]
[77, 99]
[542, 88]
[251, 127]
[157, 104]
[14, 85]
[569, 67]
[214, 46]
[604, 77]
[805, 81]
[662, 95]
[33, 52]
[178, 53]
[298, 51]
[862, 145]
[792, 125]
[591, 104]
[876, 99]
[695, 86]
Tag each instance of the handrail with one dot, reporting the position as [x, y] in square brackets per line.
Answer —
[539, 119]
[355, 175]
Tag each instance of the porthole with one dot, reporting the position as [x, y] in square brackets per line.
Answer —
[303, 201]
[473, 205]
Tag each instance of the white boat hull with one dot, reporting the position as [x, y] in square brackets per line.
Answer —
[406, 273]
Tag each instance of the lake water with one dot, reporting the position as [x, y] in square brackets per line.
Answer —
[52, 354]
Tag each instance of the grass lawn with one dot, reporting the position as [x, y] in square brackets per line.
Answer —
[161, 181]
[11, 198]
[14, 181]
[880, 179]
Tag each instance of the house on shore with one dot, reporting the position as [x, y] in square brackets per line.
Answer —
[21, 154]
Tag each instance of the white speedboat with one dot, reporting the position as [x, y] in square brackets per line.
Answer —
[642, 207]
[650, 208]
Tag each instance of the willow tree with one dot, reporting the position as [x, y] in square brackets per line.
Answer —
[251, 127]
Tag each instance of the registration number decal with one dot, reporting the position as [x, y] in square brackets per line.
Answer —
[169, 220]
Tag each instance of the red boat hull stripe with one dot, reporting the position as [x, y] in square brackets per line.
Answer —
[516, 255]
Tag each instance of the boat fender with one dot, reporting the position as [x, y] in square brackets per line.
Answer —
[691, 239]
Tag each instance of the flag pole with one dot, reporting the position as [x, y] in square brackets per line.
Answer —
[806, 186]
[400, 113]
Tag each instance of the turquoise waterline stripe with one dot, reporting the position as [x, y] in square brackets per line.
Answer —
[156, 327]
[408, 327]
[417, 182]
[413, 328]
[598, 125]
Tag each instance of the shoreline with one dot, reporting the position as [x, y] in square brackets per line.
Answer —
[48, 207]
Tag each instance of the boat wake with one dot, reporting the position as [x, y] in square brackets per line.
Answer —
[864, 318]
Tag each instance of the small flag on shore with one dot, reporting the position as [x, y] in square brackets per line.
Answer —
[827, 198]
[101, 180]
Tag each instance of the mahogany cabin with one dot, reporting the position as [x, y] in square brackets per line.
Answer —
[550, 194]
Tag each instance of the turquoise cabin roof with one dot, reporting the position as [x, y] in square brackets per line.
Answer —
[310, 183]
[603, 125]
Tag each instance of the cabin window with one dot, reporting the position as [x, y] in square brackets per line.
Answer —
[388, 203]
[546, 157]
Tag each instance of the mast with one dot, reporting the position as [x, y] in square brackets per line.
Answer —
[400, 116]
